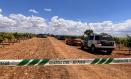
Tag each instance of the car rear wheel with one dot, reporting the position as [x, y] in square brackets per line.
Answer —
[82, 47]
[66, 42]
[93, 49]
[109, 52]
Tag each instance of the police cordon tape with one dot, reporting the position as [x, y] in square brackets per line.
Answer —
[37, 62]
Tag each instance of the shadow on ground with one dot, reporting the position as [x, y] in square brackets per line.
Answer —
[95, 53]
[126, 54]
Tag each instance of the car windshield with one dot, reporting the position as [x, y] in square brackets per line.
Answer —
[106, 37]
[97, 37]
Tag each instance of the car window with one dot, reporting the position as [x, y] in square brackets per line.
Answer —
[91, 37]
[107, 37]
[97, 37]
[87, 38]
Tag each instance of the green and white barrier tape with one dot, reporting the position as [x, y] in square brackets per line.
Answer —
[36, 62]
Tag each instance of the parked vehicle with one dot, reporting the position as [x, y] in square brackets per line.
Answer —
[60, 37]
[42, 36]
[99, 42]
[73, 41]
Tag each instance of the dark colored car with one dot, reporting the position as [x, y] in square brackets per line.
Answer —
[60, 37]
[73, 41]
[42, 36]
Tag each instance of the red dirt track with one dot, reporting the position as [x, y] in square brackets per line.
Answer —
[51, 48]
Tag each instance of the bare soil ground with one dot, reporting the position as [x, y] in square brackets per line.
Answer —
[51, 48]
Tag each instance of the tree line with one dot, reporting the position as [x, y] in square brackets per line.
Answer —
[13, 37]
[124, 41]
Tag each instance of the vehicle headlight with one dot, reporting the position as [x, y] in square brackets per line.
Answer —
[99, 44]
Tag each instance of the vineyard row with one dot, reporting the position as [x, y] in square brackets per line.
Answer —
[9, 37]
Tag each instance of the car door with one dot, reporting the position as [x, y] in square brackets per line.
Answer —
[90, 40]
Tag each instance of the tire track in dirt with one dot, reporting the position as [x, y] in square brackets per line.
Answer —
[34, 48]
[107, 71]
[73, 71]
[94, 71]
[44, 48]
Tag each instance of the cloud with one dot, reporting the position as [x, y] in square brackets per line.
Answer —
[29, 23]
[105, 26]
[48, 9]
[6, 22]
[71, 27]
[67, 27]
[33, 11]
[57, 25]
[21, 23]
[122, 28]
[0, 10]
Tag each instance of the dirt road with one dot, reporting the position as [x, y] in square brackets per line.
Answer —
[51, 48]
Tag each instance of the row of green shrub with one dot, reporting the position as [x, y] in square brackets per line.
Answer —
[10, 36]
[126, 41]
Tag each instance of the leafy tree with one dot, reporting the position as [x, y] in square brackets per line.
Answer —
[88, 32]
[13, 37]
[129, 42]
[1, 38]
